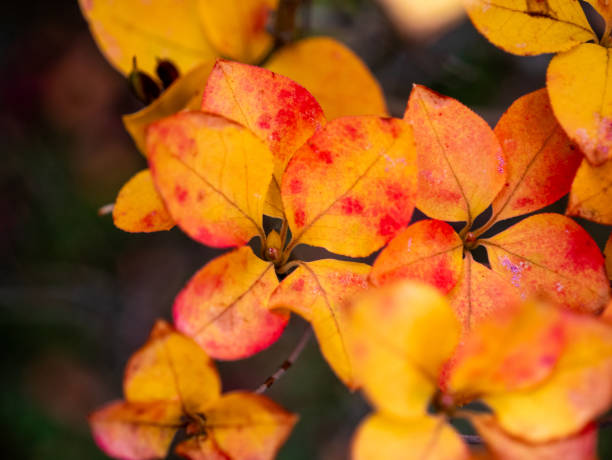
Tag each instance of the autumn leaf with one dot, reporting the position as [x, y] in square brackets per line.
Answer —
[337, 77]
[461, 164]
[351, 187]
[224, 306]
[608, 255]
[540, 159]
[529, 27]
[552, 255]
[421, 438]
[318, 291]
[149, 30]
[604, 8]
[237, 29]
[591, 194]
[213, 176]
[139, 207]
[581, 446]
[429, 251]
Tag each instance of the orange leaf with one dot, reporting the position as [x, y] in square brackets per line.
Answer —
[552, 255]
[532, 337]
[337, 77]
[529, 27]
[213, 176]
[318, 291]
[396, 357]
[581, 100]
[139, 208]
[184, 93]
[480, 294]
[541, 161]
[428, 251]
[136, 431]
[608, 256]
[591, 195]
[148, 29]
[582, 446]
[604, 8]
[420, 438]
[171, 367]
[237, 28]
[241, 426]
[224, 306]
[351, 187]
[578, 390]
[461, 165]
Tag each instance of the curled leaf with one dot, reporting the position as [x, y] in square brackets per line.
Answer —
[224, 306]
[591, 195]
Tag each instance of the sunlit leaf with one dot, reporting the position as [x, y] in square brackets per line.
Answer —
[532, 337]
[333, 74]
[578, 390]
[552, 255]
[240, 426]
[223, 307]
[171, 367]
[352, 186]
[318, 292]
[139, 208]
[591, 195]
[480, 294]
[529, 27]
[423, 19]
[461, 164]
[148, 29]
[213, 176]
[420, 438]
[540, 159]
[581, 100]
[136, 431]
[396, 357]
[581, 446]
[429, 251]
[237, 29]
[184, 93]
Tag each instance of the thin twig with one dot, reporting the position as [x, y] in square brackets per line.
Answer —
[287, 364]
[106, 209]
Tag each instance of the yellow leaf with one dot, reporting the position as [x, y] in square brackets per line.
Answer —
[591, 194]
[461, 164]
[529, 27]
[241, 426]
[318, 291]
[333, 74]
[541, 161]
[423, 19]
[171, 367]
[352, 186]
[139, 208]
[224, 306]
[184, 93]
[148, 29]
[578, 82]
[419, 438]
[136, 431]
[237, 29]
[551, 255]
[578, 390]
[396, 357]
[213, 176]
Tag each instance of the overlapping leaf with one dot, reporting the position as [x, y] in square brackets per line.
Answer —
[591, 195]
[351, 187]
[139, 208]
[224, 306]
[213, 176]
[318, 291]
[552, 255]
[333, 74]
[461, 164]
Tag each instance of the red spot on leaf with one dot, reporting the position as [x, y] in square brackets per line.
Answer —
[389, 226]
[300, 217]
[298, 285]
[295, 186]
[180, 193]
[148, 220]
[443, 277]
[285, 117]
[525, 201]
[352, 133]
[326, 156]
[264, 121]
[391, 126]
[351, 205]
[395, 192]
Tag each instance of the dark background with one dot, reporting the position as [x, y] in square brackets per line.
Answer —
[78, 296]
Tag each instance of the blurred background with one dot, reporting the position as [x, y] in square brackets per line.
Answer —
[78, 297]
